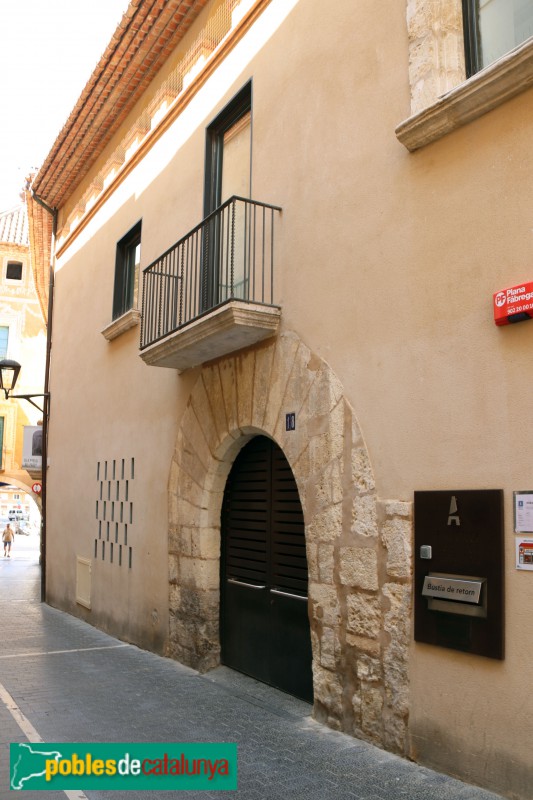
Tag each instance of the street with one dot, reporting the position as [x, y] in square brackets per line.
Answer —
[64, 681]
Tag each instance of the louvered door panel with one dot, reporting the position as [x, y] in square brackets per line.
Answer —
[247, 516]
[287, 546]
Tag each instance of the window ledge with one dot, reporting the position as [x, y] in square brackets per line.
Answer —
[487, 89]
[119, 326]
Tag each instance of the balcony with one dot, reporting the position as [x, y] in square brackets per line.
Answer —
[212, 292]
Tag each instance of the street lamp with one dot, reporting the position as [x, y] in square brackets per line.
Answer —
[9, 372]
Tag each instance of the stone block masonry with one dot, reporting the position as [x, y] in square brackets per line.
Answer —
[358, 547]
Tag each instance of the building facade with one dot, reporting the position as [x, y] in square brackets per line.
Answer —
[277, 233]
[23, 339]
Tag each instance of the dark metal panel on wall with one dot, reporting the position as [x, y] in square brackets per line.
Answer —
[459, 570]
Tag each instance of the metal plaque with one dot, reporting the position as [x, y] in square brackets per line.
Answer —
[452, 589]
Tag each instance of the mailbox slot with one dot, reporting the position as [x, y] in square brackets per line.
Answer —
[455, 594]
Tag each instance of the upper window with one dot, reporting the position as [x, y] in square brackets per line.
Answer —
[14, 271]
[4, 339]
[127, 272]
[493, 28]
[228, 152]
[228, 166]
[493, 37]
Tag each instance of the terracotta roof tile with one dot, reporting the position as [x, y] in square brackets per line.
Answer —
[40, 223]
[147, 33]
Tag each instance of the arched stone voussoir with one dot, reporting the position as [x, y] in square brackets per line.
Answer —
[244, 377]
[286, 352]
[201, 407]
[210, 378]
[228, 397]
[264, 359]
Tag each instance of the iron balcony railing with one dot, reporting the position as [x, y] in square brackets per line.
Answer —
[228, 256]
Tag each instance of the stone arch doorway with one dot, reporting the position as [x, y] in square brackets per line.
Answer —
[358, 548]
[264, 621]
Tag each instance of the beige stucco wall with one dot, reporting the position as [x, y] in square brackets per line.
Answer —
[387, 262]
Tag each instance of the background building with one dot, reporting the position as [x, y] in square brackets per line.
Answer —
[302, 213]
[23, 339]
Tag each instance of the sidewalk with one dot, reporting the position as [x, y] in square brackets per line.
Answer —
[71, 683]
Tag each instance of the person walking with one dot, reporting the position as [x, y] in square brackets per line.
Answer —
[7, 538]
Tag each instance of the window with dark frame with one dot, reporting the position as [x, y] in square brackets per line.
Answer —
[493, 28]
[14, 271]
[238, 109]
[227, 173]
[127, 272]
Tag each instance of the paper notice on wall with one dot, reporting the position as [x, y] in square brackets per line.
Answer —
[32, 447]
[523, 512]
[524, 553]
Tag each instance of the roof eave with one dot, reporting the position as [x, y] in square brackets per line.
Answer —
[148, 32]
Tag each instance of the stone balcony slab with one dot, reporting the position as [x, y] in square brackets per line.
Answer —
[226, 329]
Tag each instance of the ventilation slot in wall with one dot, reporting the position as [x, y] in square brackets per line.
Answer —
[114, 511]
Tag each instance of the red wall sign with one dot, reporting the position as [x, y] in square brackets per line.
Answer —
[37, 488]
[514, 304]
